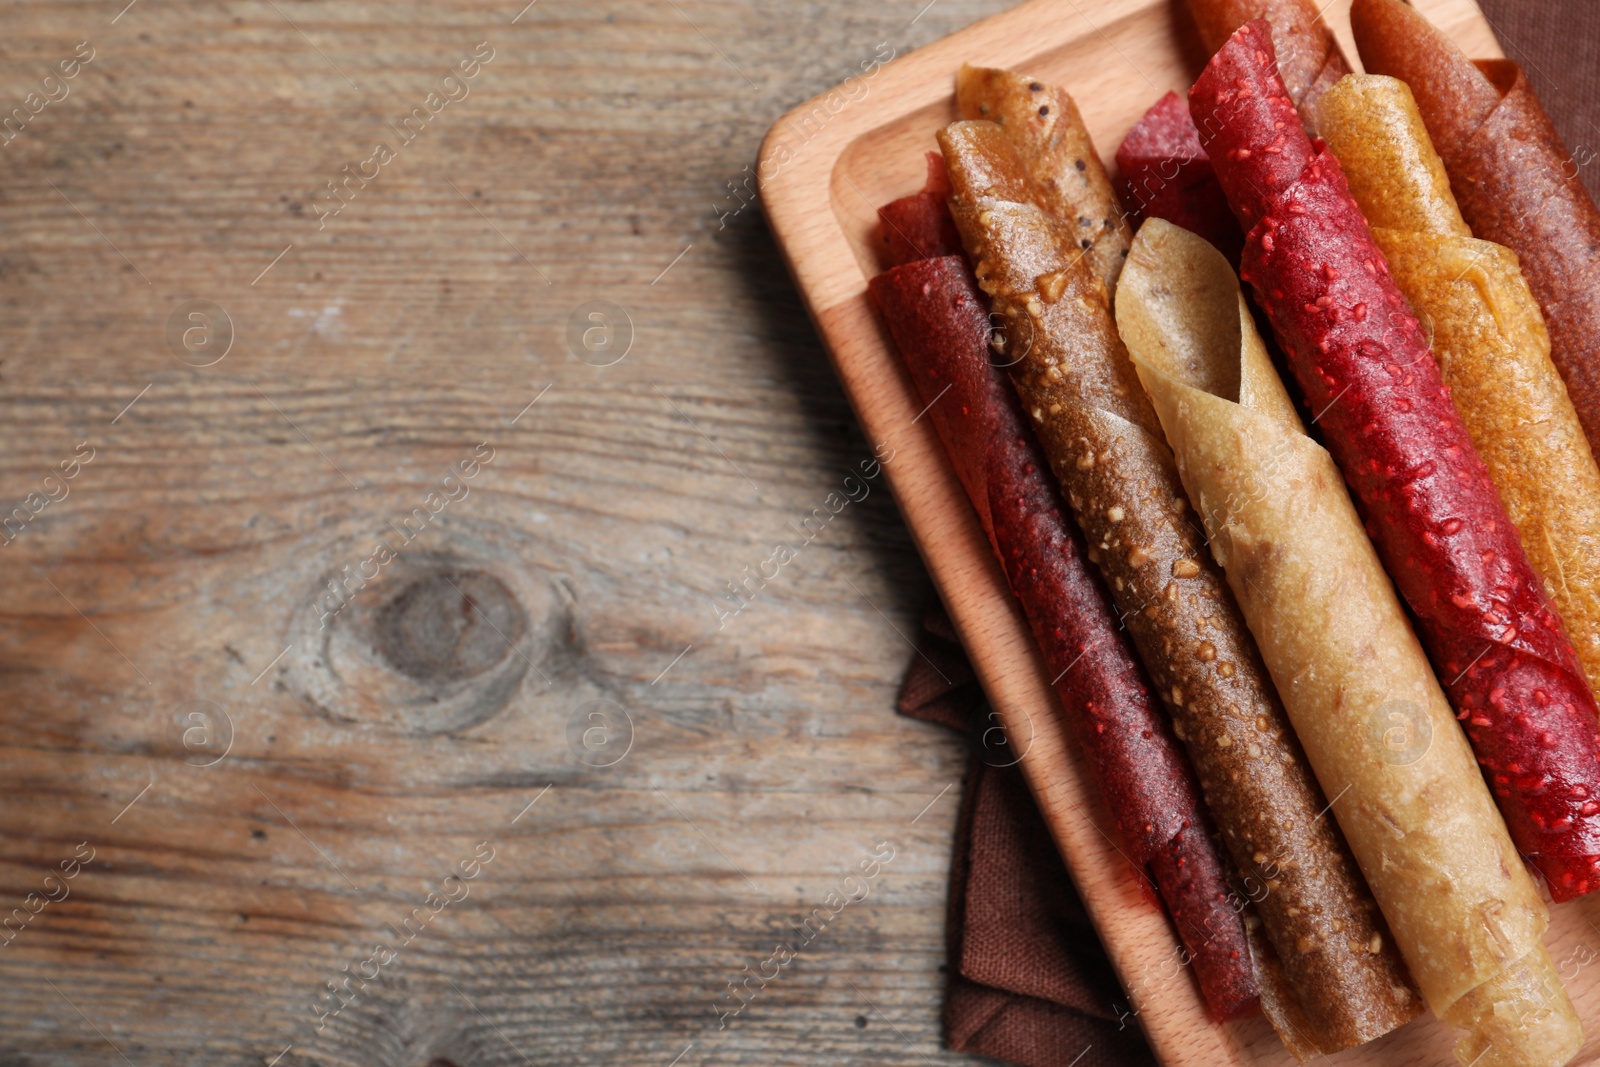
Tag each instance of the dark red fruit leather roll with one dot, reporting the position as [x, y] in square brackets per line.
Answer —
[1367, 373]
[939, 320]
[1164, 173]
[919, 226]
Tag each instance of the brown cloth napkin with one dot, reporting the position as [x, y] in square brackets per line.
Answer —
[1028, 979]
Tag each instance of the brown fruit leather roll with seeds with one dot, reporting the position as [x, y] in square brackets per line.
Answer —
[1043, 121]
[1104, 444]
[940, 323]
[1308, 55]
[1515, 181]
[1425, 495]
[1488, 339]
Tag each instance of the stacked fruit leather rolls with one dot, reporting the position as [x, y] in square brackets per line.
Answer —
[1164, 170]
[1164, 173]
[1488, 339]
[1358, 687]
[1309, 58]
[1103, 442]
[940, 323]
[1367, 372]
[1515, 181]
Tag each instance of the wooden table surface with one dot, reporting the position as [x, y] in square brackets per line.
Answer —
[529, 790]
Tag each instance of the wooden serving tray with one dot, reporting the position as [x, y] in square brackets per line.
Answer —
[824, 170]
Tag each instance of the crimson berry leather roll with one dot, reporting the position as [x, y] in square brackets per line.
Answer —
[1365, 367]
[940, 324]
[1488, 339]
[1164, 173]
[1163, 169]
[1308, 55]
[1104, 444]
[1515, 181]
[919, 226]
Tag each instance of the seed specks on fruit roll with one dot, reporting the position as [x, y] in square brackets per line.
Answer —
[1104, 443]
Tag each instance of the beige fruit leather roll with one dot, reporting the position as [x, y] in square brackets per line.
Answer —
[1489, 340]
[1357, 686]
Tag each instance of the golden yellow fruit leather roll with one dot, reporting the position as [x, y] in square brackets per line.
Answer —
[1357, 687]
[1489, 340]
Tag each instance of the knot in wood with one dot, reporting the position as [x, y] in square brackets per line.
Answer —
[449, 624]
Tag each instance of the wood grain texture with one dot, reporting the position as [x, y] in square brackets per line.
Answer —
[1117, 57]
[368, 361]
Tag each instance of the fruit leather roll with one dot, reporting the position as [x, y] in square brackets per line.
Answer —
[1367, 372]
[1358, 687]
[919, 226]
[940, 323]
[1488, 339]
[1043, 121]
[1104, 444]
[1164, 173]
[1162, 166]
[1308, 56]
[1516, 183]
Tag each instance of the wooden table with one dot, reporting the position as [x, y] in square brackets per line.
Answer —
[272, 779]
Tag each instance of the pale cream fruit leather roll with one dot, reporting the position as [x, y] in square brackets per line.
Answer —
[1357, 686]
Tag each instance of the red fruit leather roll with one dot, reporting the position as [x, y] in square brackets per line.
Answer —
[1164, 173]
[919, 226]
[940, 322]
[1371, 382]
[1309, 60]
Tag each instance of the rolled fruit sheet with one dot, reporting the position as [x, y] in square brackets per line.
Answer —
[940, 323]
[1489, 340]
[919, 226]
[1308, 55]
[1370, 380]
[1103, 442]
[1164, 173]
[1162, 166]
[1043, 121]
[1515, 181]
[1359, 689]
